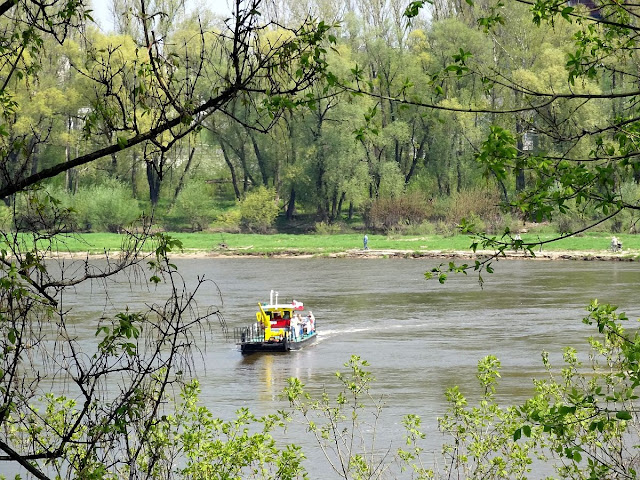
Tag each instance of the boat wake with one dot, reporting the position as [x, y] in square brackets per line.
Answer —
[341, 331]
[390, 325]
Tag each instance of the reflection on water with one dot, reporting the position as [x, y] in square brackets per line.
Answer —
[262, 367]
[420, 337]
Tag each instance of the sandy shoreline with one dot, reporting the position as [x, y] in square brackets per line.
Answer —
[626, 256]
[602, 255]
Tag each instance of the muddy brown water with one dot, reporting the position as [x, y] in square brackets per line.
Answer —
[420, 337]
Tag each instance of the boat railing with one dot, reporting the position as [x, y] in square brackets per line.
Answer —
[251, 333]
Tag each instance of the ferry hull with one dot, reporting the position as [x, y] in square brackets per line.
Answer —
[283, 346]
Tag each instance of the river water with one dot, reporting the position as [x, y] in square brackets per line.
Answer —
[419, 336]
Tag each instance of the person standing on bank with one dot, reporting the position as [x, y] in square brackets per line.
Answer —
[365, 240]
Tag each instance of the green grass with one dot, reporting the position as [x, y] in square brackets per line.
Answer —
[327, 244]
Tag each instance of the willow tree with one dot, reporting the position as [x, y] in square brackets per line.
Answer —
[94, 410]
[569, 131]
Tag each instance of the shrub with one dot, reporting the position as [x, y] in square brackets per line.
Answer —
[230, 220]
[626, 221]
[480, 206]
[502, 222]
[107, 208]
[425, 228]
[569, 221]
[477, 221]
[81, 203]
[479, 202]
[40, 209]
[445, 229]
[323, 228]
[388, 213]
[578, 217]
[259, 209]
[193, 208]
[6, 217]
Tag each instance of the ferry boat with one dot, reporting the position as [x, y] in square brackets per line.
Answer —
[279, 327]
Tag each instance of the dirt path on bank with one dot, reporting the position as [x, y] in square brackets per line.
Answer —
[627, 255]
[605, 255]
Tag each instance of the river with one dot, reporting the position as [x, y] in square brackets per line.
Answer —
[419, 336]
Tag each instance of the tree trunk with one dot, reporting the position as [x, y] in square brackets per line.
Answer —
[416, 158]
[183, 175]
[339, 212]
[113, 168]
[69, 174]
[505, 194]
[32, 151]
[232, 169]
[334, 208]
[261, 160]
[323, 201]
[291, 206]
[134, 176]
[248, 178]
[154, 181]
[520, 182]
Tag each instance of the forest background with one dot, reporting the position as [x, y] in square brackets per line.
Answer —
[352, 162]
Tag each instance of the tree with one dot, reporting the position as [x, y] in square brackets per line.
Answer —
[162, 85]
[585, 124]
[587, 128]
[345, 427]
[145, 97]
[113, 391]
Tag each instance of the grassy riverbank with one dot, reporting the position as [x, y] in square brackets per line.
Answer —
[288, 244]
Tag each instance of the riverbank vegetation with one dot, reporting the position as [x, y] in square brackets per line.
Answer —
[319, 244]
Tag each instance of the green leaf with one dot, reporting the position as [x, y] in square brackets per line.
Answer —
[517, 435]
[414, 8]
[623, 415]
[11, 335]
